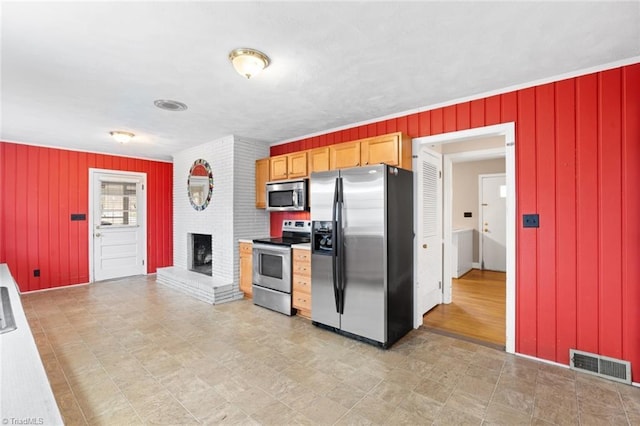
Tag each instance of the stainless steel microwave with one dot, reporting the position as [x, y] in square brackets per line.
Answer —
[289, 195]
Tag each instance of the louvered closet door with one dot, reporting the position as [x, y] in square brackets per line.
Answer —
[429, 250]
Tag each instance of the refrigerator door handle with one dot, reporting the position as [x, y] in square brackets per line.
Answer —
[340, 247]
[334, 252]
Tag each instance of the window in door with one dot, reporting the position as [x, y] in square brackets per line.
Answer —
[118, 204]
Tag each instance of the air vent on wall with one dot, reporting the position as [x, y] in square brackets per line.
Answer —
[602, 366]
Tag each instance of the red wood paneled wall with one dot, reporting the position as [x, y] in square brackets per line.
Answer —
[578, 166]
[41, 187]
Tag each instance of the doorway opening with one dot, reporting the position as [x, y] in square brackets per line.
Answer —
[463, 281]
[478, 217]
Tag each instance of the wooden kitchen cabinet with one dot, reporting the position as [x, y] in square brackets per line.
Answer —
[289, 166]
[278, 167]
[262, 177]
[246, 269]
[301, 294]
[393, 149]
[344, 155]
[297, 165]
[318, 159]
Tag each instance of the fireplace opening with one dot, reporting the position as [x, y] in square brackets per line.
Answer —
[201, 256]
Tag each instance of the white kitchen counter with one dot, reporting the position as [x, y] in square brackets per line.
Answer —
[244, 240]
[305, 246]
[25, 394]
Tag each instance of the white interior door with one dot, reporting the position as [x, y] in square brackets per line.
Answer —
[493, 222]
[118, 224]
[429, 231]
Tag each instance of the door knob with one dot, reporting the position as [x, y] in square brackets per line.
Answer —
[97, 234]
[486, 230]
[424, 246]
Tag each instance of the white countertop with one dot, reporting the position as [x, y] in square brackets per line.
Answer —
[25, 394]
[245, 240]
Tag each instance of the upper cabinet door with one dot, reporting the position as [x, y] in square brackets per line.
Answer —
[297, 165]
[344, 155]
[319, 159]
[262, 177]
[382, 149]
[279, 167]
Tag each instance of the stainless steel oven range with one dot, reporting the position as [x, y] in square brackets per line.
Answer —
[272, 266]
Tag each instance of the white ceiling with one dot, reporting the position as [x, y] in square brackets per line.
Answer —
[73, 71]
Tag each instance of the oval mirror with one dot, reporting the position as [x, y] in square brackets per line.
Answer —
[200, 184]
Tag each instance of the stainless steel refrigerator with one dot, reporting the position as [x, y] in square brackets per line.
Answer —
[362, 252]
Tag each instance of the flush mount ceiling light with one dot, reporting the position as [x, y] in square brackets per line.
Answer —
[169, 105]
[122, 137]
[248, 62]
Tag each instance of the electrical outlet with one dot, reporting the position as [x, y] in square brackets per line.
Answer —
[530, 220]
[36, 272]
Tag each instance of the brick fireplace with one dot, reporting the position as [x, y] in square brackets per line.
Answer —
[230, 215]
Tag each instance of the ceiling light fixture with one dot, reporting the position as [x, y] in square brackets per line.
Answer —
[122, 137]
[248, 62]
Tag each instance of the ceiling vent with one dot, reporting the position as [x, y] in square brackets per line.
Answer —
[169, 105]
[601, 366]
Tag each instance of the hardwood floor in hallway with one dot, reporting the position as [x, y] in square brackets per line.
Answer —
[477, 310]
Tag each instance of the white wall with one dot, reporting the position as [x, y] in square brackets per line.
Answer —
[465, 194]
[231, 213]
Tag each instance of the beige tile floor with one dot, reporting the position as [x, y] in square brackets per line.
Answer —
[133, 352]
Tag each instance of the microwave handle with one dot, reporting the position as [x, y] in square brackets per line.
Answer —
[294, 196]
